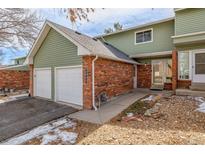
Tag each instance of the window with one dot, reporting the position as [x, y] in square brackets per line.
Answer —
[200, 63]
[143, 36]
[183, 59]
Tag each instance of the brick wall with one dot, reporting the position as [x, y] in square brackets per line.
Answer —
[184, 84]
[87, 82]
[14, 79]
[112, 77]
[174, 69]
[144, 76]
[31, 82]
[167, 86]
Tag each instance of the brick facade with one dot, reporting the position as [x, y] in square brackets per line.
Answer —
[87, 82]
[167, 86]
[112, 77]
[13, 79]
[31, 80]
[144, 76]
[184, 84]
[174, 69]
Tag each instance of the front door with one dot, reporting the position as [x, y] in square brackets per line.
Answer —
[157, 72]
[199, 66]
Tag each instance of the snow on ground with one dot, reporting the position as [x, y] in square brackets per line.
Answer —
[12, 98]
[201, 107]
[43, 132]
[7, 100]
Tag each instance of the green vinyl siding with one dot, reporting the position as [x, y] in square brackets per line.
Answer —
[148, 60]
[191, 47]
[162, 41]
[56, 51]
[189, 21]
[190, 39]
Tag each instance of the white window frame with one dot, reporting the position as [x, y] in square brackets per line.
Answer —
[190, 65]
[144, 31]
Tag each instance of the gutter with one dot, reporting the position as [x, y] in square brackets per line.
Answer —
[93, 83]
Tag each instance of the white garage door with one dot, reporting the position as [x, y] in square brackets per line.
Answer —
[69, 85]
[42, 83]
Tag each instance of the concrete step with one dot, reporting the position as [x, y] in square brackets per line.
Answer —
[188, 92]
[157, 87]
[197, 86]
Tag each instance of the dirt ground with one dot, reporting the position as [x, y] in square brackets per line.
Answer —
[176, 122]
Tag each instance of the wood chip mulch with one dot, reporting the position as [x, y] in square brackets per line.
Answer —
[176, 122]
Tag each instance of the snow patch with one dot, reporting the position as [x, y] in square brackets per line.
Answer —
[7, 100]
[65, 136]
[12, 98]
[201, 107]
[42, 131]
[48, 138]
[150, 98]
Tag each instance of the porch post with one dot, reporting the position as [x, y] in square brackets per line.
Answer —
[87, 82]
[174, 69]
[31, 79]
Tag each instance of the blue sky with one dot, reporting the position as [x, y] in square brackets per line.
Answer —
[101, 19]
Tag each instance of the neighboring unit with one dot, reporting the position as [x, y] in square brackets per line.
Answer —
[15, 76]
[171, 51]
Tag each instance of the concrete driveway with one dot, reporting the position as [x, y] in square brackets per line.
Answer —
[24, 114]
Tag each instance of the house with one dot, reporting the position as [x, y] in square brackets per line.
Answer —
[171, 51]
[19, 60]
[70, 67]
[64, 64]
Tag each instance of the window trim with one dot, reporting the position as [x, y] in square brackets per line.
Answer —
[143, 31]
[190, 65]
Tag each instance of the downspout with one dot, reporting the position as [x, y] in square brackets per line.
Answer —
[93, 82]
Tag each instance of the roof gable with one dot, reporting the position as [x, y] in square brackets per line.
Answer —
[86, 45]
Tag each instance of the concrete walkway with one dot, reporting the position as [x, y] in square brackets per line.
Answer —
[108, 111]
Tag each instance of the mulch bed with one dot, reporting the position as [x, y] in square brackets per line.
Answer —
[177, 123]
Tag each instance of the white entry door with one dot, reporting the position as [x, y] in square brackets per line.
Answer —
[42, 82]
[158, 72]
[69, 85]
[199, 66]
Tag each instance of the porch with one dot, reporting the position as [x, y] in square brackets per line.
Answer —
[191, 72]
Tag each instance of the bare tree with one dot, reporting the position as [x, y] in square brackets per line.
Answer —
[116, 27]
[108, 30]
[74, 14]
[18, 27]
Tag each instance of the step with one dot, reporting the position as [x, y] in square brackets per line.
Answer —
[188, 92]
[157, 87]
[197, 86]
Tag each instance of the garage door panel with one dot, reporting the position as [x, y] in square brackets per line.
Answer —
[69, 85]
[42, 83]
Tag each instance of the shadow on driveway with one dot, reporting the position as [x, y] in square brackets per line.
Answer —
[24, 114]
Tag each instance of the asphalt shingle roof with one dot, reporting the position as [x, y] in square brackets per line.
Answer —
[95, 46]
